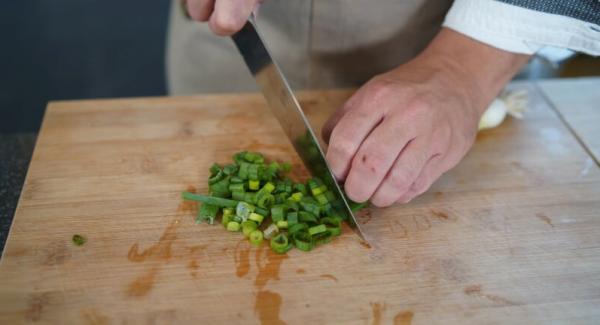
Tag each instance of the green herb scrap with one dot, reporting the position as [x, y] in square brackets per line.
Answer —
[79, 240]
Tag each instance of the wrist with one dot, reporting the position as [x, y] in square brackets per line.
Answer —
[477, 70]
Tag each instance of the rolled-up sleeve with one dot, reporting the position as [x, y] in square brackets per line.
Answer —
[520, 29]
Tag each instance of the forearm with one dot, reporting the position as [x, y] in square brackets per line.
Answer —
[480, 69]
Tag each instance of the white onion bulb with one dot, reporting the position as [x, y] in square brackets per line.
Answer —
[511, 103]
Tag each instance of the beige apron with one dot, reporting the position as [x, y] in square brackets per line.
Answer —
[318, 44]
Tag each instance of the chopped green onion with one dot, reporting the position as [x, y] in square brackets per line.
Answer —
[220, 202]
[253, 184]
[256, 217]
[292, 218]
[269, 187]
[233, 226]
[226, 219]
[248, 226]
[277, 213]
[264, 199]
[282, 224]
[303, 241]
[271, 230]
[297, 227]
[306, 217]
[239, 187]
[253, 171]
[256, 237]
[208, 213]
[296, 197]
[317, 229]
[322, 199]
[261, 211]
[238, 195]
[280, 244]
[244, 210]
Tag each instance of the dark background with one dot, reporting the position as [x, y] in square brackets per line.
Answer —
[69, 49]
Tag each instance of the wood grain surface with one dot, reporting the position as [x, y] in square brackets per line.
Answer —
[511, 235]
[578, 102]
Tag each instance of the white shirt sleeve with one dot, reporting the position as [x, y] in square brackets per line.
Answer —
[520, 30]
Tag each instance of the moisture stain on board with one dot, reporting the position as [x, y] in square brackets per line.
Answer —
[270, 269]
[476, 291]
[545, 219]
[242, 258]
[365, 244]
[364, 216]
[378, 309]
[267, 307]
[143, 284]
[36, 304]
[301, 271]
[403, 318]
[440, 214]
[329, 276]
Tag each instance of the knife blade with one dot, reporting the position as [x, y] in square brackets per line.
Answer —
[288, 112]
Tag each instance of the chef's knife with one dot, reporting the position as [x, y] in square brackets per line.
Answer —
[287, 110]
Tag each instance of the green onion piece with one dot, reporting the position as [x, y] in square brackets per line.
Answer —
[243, 171]
[333, 225]
[237, 187]
[216, 174]
[238, 195]
[264, 200]
[303, 241]
[228, 211]
[282, 224]
[299, 187]
[296, 197]
[292, 218]
[220, 202]
[261, 211]
[220, 188]
[312, 183]
[254, 157]
[277, 213]
[253, 184]
[271, 231]
[306, 217]
[226, 219]
[230, 169]
[236, 180]
[330, 196]
[253, 171]
[237, 219]
[208, 213]
[250, 197]
[239, 157]
[355, 206]
[248, 226]
[322, 199]
[244, 210]
[286, 167]
[256, 237]
[280, 244]
[297, 227]
[317, 229]
[256, 217]
[322, 238]
[233, 226]
[268, 187]
[319, 190]
[78, 240]
[292, 205]
[311, 207]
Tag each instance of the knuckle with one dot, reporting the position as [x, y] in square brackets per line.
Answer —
[225, 24]
[341, 147]
[371, 162]
[401, 179]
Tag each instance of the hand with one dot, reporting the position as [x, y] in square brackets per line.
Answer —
[225, 17]
[403, 129]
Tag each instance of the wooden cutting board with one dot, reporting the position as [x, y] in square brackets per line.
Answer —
[511, 235]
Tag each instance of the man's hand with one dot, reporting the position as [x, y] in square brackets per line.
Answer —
[403, 129]
[225, 17]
